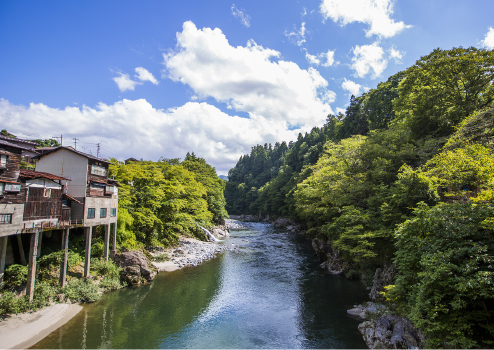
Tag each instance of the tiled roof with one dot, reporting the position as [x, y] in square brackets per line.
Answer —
[10, 144]
[31, 174]
[27, 142]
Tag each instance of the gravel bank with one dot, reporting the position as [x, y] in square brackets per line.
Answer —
[190, 252]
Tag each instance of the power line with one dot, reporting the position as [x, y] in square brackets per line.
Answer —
[61, 139]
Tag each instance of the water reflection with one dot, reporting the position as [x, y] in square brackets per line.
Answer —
[267, 294]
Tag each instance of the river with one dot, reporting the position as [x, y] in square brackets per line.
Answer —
[268, 293]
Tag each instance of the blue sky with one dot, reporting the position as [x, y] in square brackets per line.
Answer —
[160, 78]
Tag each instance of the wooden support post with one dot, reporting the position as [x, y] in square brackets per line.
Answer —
[3, 253]
[114, 245]
[107, 241]
[87, 261]
[39, 243]
[31, 269]
[21, 250]
[63, 263]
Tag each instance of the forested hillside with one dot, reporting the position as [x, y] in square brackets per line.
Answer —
[405, 176]
[160, 200]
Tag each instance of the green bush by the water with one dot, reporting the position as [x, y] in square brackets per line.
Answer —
[106, 277]
[81, 290]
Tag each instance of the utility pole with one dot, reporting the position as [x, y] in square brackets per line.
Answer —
[75, 143]
[97, 153]
[61, 139]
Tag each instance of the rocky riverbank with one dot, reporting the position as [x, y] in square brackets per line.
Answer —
[383, 330]
[189, 252]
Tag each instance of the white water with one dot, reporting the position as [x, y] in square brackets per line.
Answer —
[210, 235]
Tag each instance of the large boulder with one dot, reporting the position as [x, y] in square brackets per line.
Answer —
[135, 267]
[391, 332]
[220, 232]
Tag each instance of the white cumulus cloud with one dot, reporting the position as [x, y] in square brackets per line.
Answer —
[488, 41]
[351, 86]
[144, 75]
[247, 78]
[124, 82]
[134, 128]
[325, 59]
[297, 36]
[376, 13]
[367, 58]
[397, 55]
[241, 15]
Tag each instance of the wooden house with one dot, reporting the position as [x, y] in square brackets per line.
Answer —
[12, 196]
[95, 193]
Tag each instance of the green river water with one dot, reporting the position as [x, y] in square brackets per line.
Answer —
[268, 293]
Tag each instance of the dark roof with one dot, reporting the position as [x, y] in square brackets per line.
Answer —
[10, 182]
[71, 198]
[31, 174]
[10, 144]
[27, 142]
[107, 182]
[89, 156]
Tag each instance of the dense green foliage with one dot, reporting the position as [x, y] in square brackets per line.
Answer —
[405, 176]
[159, 200]
[445, 256]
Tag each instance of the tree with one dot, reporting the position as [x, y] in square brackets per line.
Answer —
[445, 255]
[443, 88]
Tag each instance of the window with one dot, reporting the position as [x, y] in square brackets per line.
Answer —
[3, 161]
[111, 189]
[97, 185]
[102, 213]
[98, 170]
[113, 212]
[12, 187]
[47, 192]
[5, 218]
[91, 213]
[1, 189]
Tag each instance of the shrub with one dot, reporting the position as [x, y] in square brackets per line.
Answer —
[43, 295]
[110, 283]
[11, 303]
[105, 268]
[82, 290]
[161, 257]
[15, 276]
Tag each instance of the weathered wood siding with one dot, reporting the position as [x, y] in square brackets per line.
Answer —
[40, 207]
[11, 172]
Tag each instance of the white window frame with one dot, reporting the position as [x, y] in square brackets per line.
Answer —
[12, 187]
[98, 170]
[47, 192]
[1, 189]
[3, 160]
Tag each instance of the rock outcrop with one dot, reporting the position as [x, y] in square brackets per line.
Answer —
[382, 278]
[332, 262]
[382, 330]
[391, 332]
[135, 267]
